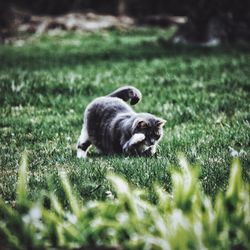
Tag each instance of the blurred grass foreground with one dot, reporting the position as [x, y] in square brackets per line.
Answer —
[186, 219]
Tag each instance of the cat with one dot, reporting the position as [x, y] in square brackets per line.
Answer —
[113, 127]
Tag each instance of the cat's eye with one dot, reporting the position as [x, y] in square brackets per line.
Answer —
[157, 135]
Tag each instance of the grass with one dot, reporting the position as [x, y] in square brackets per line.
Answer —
[187, 219]
[47, 82]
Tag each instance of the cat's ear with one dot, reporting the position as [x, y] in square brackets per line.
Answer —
[160, 122]
[140, 123]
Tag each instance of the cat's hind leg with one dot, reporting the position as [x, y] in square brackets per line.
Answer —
[83, 143]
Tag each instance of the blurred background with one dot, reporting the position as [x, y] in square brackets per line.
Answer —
[205, 22]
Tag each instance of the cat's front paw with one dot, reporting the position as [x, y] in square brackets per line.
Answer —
[137, 138]
[81, 154]
[131, 146]
[150, 151]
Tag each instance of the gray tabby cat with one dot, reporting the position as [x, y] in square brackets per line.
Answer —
[114, 127]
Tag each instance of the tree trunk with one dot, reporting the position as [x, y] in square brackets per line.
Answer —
[122, 8]
[6, 16]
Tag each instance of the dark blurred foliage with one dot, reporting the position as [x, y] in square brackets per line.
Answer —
[137, 7]
[226, 19]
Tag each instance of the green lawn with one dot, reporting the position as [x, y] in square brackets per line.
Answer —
[46, 83]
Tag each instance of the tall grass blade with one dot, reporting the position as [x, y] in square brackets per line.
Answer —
[235, 181]
[74, 205]
[21, 192]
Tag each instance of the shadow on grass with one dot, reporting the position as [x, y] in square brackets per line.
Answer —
[96, 155]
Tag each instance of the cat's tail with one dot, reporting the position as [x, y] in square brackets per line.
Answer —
[127, 93]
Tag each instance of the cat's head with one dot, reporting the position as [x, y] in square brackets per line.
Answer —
[149, 125]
